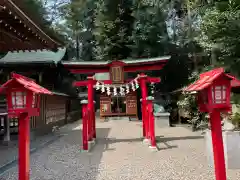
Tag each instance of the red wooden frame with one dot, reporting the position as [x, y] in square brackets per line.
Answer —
[135, 68]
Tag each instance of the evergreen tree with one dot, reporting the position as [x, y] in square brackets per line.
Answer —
[87, 38]
[150, 37]
[113, 29]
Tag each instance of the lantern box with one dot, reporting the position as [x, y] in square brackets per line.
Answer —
[213, 90]
[23, 95]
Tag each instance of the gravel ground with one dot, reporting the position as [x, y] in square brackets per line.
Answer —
[10, 152]
[121, 155]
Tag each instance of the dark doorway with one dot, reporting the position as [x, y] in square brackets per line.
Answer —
[139, 109]
[118, 104]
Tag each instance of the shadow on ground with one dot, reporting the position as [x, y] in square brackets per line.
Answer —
[159, 139]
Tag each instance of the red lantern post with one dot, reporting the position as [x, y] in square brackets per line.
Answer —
[213, 94]
[23, 99]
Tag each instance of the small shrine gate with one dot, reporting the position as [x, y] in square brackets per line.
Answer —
[117, 85]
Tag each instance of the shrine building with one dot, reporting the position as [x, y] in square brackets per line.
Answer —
[117, 93]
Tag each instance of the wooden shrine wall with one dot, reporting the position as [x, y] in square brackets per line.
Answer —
[105, 105]
[55, 109]
[131, 105]
[53, 112]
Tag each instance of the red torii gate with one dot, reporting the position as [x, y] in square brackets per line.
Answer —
[89, 124]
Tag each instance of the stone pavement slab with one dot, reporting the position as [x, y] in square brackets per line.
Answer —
[121, 155]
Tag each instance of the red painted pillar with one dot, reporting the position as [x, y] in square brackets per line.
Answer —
[217, 144]
[94, 122]
[144, 92]
[24, 149]
[151, 122]
[90, 107]
[85, 119]
[143, 116]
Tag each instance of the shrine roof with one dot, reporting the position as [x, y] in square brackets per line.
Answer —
[39, 56]
[27, 83]
[20, 32]
[126, 61]
[206, 79]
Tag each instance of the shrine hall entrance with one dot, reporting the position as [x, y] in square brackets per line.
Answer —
[118, 105]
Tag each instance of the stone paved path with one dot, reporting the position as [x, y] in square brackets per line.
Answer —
[121, 155]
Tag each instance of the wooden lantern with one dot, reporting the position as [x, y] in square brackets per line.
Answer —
[23, 95]
[216, 96]
[21, 100]
[213, 90]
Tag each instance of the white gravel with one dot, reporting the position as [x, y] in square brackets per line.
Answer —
[121, 155]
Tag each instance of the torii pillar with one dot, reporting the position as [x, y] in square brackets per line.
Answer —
[144, 92]
[92, 120]
[147, 111]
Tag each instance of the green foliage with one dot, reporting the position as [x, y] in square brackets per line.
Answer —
[113, 28]
[235, 99]
[188, 102]
[236, 119]
[220, 30]
[172, 75]
[149, 36]
[37, 11]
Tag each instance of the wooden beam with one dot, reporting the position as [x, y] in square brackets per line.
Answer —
[100, 69]
[143, 67]
[8, 43]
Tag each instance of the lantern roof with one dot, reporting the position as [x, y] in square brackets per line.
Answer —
[235, 83]
[206, 79]
[26, 83]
